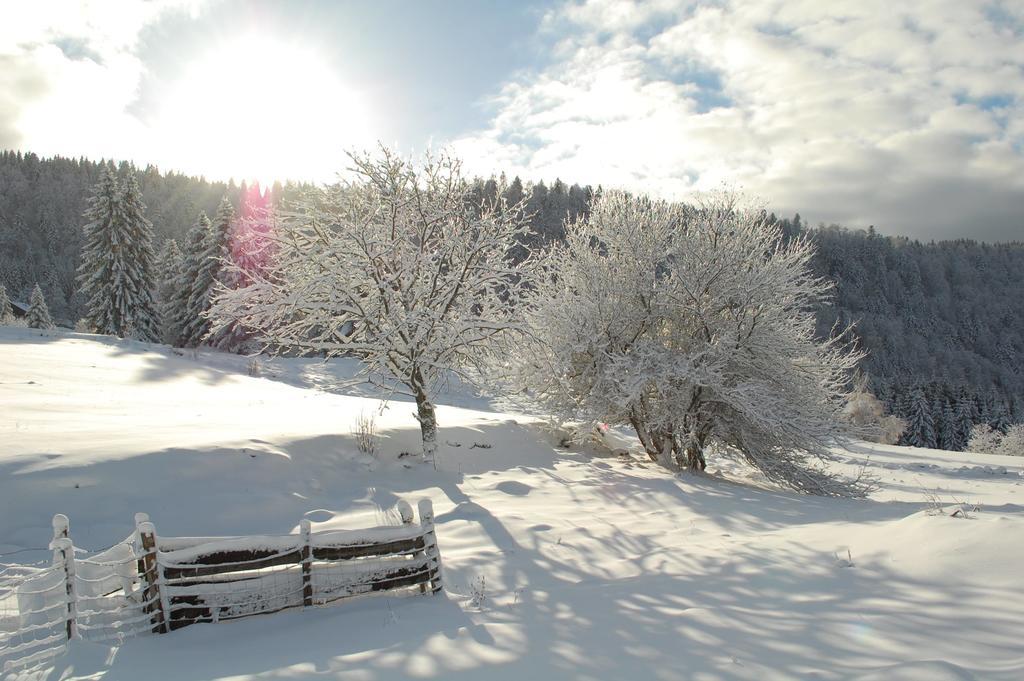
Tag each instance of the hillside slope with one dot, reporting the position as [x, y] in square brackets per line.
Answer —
[591, 567]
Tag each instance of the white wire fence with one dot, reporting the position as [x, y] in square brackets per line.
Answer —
[150, 584]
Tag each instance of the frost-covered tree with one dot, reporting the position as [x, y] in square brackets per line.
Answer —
[252, 236]
[1013, 442]
[695, 326]
[250, 248]
[38, 315]
[183, 310]
[963, 421]
[208, 264]
[6, 312]
[116, 274]
[866, 411]
[168, 270]
[396, 267]
[920, 424]
[987, 440]
[984, 440]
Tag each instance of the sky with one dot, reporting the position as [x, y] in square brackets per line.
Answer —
[908, 115]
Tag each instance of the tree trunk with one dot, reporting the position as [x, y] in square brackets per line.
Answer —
[645, 438]
[695, 457]
[428, 426]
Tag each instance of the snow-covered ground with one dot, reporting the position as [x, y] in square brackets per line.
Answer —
[590, 566]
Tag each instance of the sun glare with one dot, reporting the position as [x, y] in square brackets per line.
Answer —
[258, 108]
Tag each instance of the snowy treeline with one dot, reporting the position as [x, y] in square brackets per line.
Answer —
[940, 323]
[41, 206]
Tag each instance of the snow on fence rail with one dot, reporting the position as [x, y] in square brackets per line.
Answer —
[152, 584]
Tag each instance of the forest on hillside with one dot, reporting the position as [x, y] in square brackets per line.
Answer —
[940, 321]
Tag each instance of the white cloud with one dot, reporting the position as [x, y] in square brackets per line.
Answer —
[69, 75]
[903, 115]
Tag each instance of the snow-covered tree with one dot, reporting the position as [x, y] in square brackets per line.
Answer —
[144, 318]
[984, 440]
[168, 270]
[963, 421]
[250, 248]
[6, 312]
[209, 263]
[116, 274]
[920, 424]
[38, 315]
[185, 307]
[695, 326]
[987, 440]
[1013, 442]
[865, 410]
[396, 267]
[252, 244]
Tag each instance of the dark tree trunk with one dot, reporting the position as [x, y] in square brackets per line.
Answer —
[428, 425]
[695, 457]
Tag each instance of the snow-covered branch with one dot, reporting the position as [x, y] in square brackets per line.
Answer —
[693, 325]
[397, 267]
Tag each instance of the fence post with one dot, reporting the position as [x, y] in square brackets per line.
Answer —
[127, 583]
[306, 530]
[405, 513]
[430, 541]
[152, 595]
[64, 556]
[61, 528]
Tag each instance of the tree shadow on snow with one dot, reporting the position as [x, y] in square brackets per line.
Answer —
[589, 594]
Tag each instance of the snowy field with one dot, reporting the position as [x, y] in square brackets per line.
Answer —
[588, 566]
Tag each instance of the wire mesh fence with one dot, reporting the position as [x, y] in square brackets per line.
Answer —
[148, 584]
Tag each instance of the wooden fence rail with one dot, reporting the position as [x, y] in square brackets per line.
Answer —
[150, 583]
[208, 579]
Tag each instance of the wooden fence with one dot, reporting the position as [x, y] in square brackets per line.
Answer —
[150, 583]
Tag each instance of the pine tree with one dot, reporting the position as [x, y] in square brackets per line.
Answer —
[946, 428]
[181, 310]
[38, 316]
[963, 421]
[168, 270]
[116, 274]
[251, 237]
[207, 273]
[1000, 420]
[920, 425]
[144, 315]
[6, 312]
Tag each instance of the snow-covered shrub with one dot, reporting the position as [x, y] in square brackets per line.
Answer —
[399, 267]
[1013, 441]
[365, 432]
[83, 326]
[987, 440]
[867, 412]
[695, 325]
[478, 593]
[984, 439]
